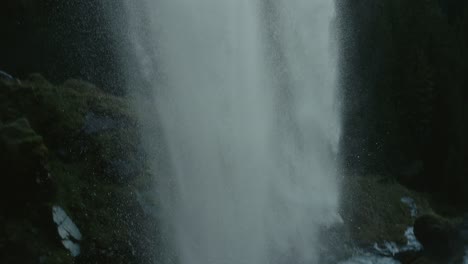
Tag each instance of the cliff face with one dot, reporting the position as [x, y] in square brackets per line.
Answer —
[404, 86]
[47, 35]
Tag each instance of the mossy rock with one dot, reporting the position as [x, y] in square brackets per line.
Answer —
[77, 121]
[28, 234]
[80, 135]
[440, 237]
[19, 139]
[374, 212]
[23, 159]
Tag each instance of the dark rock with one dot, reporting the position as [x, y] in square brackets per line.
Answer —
[410, 107]
[439, 237]
[122, 171]
[93, 157]
[23, 158]
[98, 123]
[411, 171]
[18, 139]
[26, 190]
[411, 257]
[62, 39]
[375, 211]
[6, 76]
[464, 229]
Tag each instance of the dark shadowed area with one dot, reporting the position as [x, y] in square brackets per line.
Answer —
[62, 39]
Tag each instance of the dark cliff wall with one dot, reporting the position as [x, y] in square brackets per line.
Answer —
[405, 92]
[61, 39]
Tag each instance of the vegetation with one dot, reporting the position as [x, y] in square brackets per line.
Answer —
[76, 147]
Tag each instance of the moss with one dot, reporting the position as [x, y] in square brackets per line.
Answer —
[19, 139]
[101, 211]
[57, 257]
[374, 212]
[29, 240]
[82, 165]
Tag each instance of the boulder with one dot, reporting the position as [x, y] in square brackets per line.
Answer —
[376, 209]
[439, 237]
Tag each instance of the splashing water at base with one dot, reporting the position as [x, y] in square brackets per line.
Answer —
[245, 95]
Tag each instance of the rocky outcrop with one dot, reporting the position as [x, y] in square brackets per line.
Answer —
[62, 39]
[23, 165]
[440, 237]
[73, 147]
[374, 211]
[405, 87]
[26, 190]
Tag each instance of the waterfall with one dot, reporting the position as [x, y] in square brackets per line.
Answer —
[244, 94]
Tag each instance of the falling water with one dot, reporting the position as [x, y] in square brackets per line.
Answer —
[244, 91]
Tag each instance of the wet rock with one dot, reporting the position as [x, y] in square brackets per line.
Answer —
[19, 139]
[26, 189]
[23, 157]
[412, 257]
[95, 123]
[367, 258]
[122, 170]
[464, 229]
[411, 204]
[92, 155]
[147, 203]
[6, 76]
[68, 231]
[411, 171]
[439, 237]
[375, 211]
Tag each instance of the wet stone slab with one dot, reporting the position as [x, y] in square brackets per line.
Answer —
[68, 231]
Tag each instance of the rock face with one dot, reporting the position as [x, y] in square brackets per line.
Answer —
[404, 81]
[26, 189]
[23, 158]
[62, 39]
[6, 76]
[73, 147]
[440, 238]
[375, 210]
